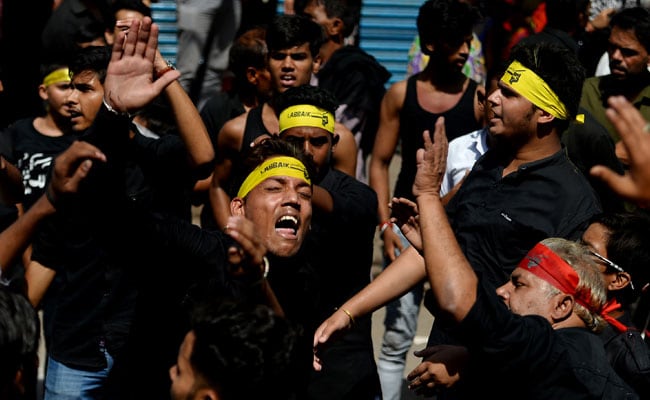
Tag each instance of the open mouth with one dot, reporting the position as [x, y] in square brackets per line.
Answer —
[287, 226]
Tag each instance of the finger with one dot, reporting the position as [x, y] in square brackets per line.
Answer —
[168, 77]
[152, 44]
[618, 183]
[143, 36]
[118, 46]
[131, 38]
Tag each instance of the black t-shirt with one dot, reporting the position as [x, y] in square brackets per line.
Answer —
[33, 154]
[525, 358]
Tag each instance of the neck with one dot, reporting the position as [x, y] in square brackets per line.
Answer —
[532, 150]
[327, 50]
[442, 77]
[573, 321]
[48, 125]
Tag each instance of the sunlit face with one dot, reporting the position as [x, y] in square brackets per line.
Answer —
[315, 142]
[596, 238]
[316, 10]
[627, 57]
[526, 294]
[184, 380]
[512, 113]
[85, 99]
[280, 207]
[291, 67]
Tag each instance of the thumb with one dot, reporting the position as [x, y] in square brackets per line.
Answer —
[426, 352]
[614, 180]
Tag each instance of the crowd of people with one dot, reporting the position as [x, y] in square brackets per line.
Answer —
[520, 203]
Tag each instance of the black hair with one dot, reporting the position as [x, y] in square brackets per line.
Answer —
[636, 19]
[628, 246]
[305, 94]
[244, 351]
[92, 58]
[135, 5]
[48, 68]
[273, 146]
[248, 50]
[564, 14]
[289, 30]
[447, 21]
[19, 336]
[349, 11]
[559, 68]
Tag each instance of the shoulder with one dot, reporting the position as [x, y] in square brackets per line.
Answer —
[232, 132]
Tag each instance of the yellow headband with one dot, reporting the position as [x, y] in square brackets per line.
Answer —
[276, 166]
[532, 87]
[60, 75]
[306, 115]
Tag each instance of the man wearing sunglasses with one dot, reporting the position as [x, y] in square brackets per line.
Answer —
[620, 246]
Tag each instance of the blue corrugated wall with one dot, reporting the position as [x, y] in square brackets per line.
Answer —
[387, 30]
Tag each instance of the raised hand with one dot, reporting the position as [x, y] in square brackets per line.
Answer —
[635, 136]
[129, 83]
[405, 214]
[431, 161]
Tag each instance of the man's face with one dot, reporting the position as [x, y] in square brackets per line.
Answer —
[526, 294]
[123, 20]
[280, 208]
[316, 11]
[512, 114]
[596, 238]
[85, 99]
[184, 380]
[453, 55]
[315, 142]
[291, 67]
[627, 57]
[56, 96]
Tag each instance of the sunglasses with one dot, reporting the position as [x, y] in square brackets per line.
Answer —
[610, 264]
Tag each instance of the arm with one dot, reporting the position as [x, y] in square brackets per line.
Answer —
[452, 279]
[345, 152]
[70, 167]
[229, 141]
[631, 126]
[190, 125]
[398, 278]
[382, 153]
[11, 183]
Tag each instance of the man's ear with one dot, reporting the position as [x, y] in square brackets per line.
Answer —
[621, 281]
[42, 92]
[316, 63]
[251, 75]
[335, 140]
[206, 393]
[563, 307]
[237, 206]
[335, 29]
[544, 117]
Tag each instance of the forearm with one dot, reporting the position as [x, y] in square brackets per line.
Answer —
[379, 183]
[190, 125]
[394, 281]
[16, 237]
[452, 279]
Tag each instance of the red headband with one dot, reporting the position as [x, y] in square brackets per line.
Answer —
[550, 267]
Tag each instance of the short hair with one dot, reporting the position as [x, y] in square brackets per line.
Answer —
[47, 68]
[248, 50]
[349, 11]
[560, 68]
[92, 58]
[289, 30]
[449, 21]
[305, 94]
[244, 351]
[19, 337]
[628, 246]
[635, 19]
[591, 280]
[564, 14]
[273, 146]
[135, 5]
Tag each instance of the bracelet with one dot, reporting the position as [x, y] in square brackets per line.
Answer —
[114, 111]
[169, 67]
[349, 314]
[384, 226]
[266, 267]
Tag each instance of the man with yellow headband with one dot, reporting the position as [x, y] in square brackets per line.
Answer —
[36, 141]
[531, 337]
[522, 190]
[343, 219]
